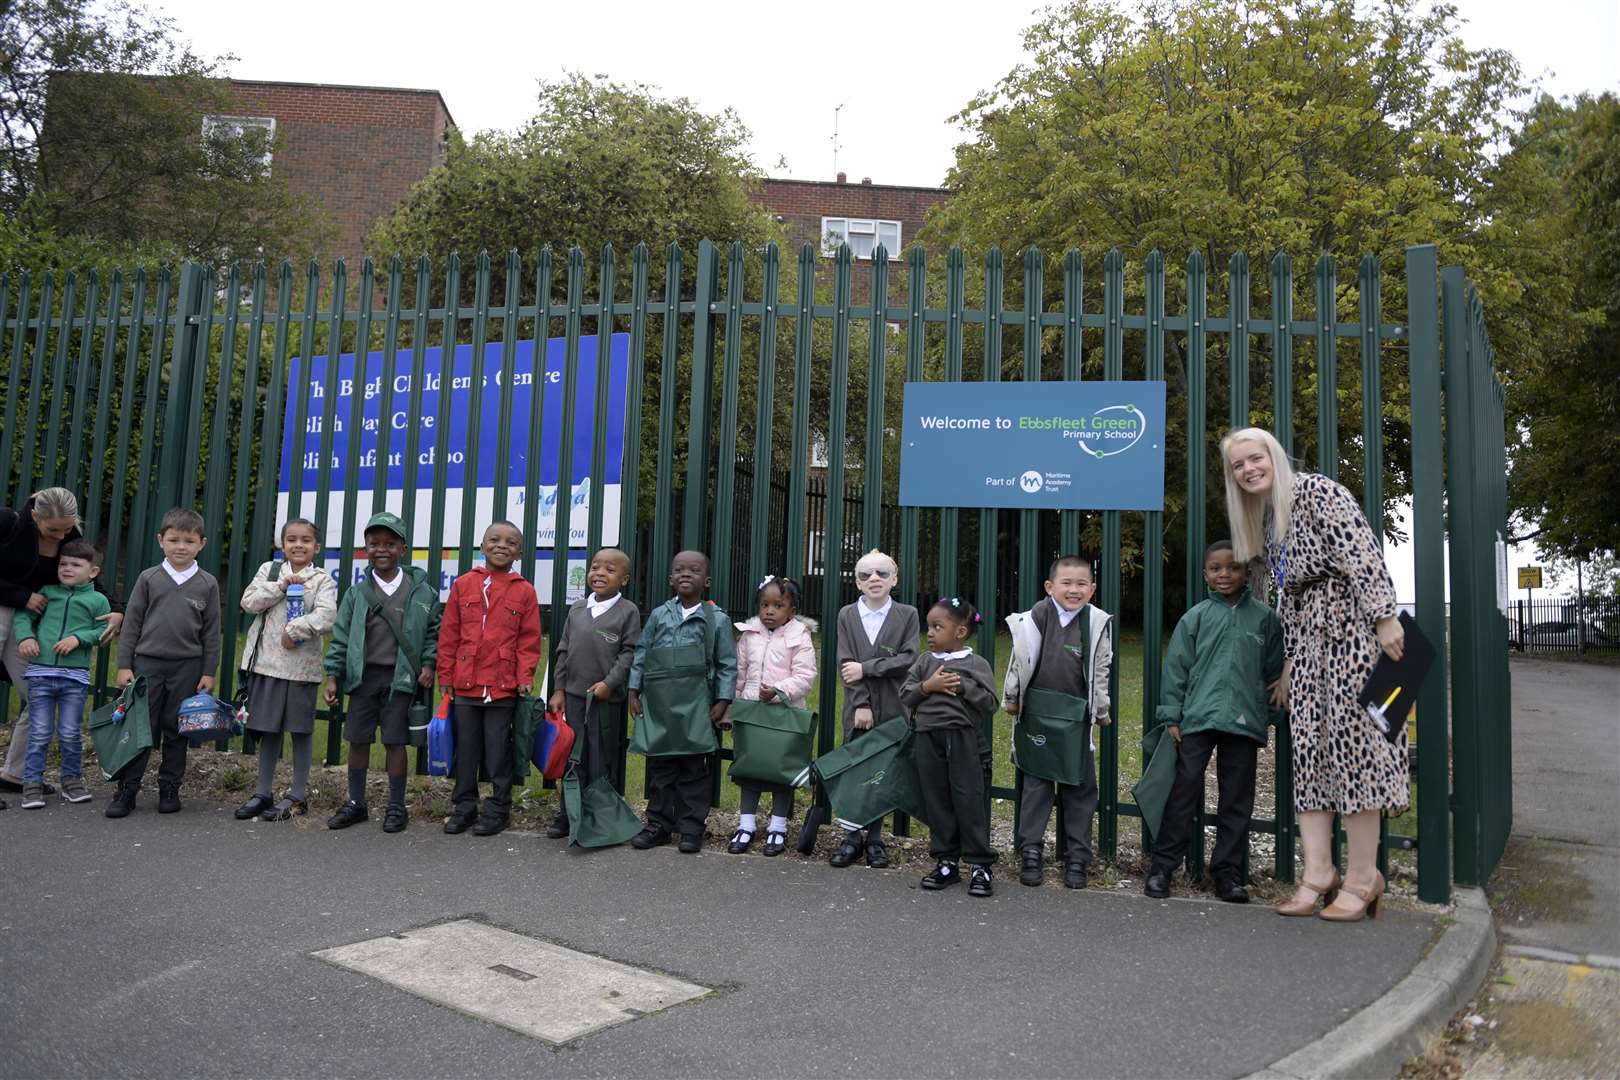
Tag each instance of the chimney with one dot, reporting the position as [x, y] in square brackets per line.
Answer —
[867, 180]
[843, 178]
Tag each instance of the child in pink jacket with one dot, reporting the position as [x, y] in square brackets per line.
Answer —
[776, 661]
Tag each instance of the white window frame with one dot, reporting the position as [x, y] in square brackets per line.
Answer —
[238, 124]
[838, 230]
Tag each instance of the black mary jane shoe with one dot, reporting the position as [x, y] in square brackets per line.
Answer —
[253, 807]
[458, 823]
[1075, 875]
[741, 841]
[395, 819]
[1157, 885]
[289, 807]
[1030, 869]
[350, 813]
[848, 851]
[942, 876]
[1231, 891]
[775, 844]
[981, 884]
[877, 856]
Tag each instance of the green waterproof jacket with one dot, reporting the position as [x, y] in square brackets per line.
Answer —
[71, 611]
[346, 656]
[1222, 657]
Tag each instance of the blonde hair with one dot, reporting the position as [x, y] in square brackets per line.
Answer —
[1247, 513]
[56, 504]
[873, 556]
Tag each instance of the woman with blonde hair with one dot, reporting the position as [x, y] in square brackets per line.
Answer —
[1337, 605]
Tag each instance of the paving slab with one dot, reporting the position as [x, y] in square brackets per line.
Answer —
[183, 944]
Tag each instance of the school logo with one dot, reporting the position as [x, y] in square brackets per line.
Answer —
[1038, 740]
[608, 636]
[199, 605]
[877, 778]
[1030, 481]
[1110, 430]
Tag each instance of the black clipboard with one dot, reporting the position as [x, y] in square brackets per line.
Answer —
[1391, 690]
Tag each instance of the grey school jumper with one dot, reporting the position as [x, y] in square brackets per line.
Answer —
[165, 621]
[597, 649]
[884, 664]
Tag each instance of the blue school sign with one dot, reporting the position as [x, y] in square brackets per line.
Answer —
[1033, 446]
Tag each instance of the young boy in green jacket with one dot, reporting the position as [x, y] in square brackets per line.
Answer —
[1226, 654]
[385, 644]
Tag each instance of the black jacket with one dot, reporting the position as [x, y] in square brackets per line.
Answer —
[22, 571]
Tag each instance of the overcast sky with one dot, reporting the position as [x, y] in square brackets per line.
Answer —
[901, 69]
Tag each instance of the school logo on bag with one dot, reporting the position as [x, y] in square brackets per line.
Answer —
[877, 778]
[1038, 740]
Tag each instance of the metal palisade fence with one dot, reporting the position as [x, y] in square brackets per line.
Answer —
[738, 391]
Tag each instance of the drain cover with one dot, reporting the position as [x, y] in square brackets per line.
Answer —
[530, 986]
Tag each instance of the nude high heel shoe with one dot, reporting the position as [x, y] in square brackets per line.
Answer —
[1371, 906]
[1299, 906]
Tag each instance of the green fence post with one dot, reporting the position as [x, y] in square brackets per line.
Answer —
[390, 375]
[36, 386]
[916, 343]
[1153, 520]
[700, 417]
[877, 343]
[599, 416]
[1327, 367]
[411, 473]
[13, 496]
[664, 509]
[950, 516]
[533, 501]
[569, 389]
[1074, 302]
[105, 405]
[1112, 591]
[176, 481]
[798, 553]
[1238, 303]
[58, 382]
[764, 422]
[499, 510]
[725, 466]
[469, 542]
[635, 394]
[832, 526]
[81, 387]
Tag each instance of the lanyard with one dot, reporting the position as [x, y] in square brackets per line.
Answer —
[1277, 562]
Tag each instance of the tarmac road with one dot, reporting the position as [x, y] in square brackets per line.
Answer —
[178, 946]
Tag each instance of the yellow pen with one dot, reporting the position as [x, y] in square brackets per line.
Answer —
[1393, 694]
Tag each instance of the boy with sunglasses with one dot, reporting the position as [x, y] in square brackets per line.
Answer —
[877, 644]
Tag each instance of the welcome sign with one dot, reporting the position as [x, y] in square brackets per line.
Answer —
[1033, 445]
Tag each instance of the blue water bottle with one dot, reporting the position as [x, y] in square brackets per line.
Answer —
[295, 601]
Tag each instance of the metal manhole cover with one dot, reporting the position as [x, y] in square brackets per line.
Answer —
[530, 986]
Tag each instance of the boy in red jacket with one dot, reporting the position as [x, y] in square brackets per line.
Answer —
[489, 646]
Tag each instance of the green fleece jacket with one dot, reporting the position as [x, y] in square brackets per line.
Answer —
[1222, 657]
[346, 656]
[70, 611]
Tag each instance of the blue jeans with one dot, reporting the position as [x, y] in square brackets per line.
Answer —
[55, 705]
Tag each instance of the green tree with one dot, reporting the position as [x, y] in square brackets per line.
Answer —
[104, 149]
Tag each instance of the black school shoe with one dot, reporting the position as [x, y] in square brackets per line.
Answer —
[877, 856]
[942, 876]
[1029, 871]
[490, 824]
[168, 798]
[981, 884]
[350, 813]
[558, 828]
[775, 844]
[691, 843]
[650, 837]
[458, 822]
[123, 800]
[395, 819]
[1231, 891]
[253, 807]
[849, 849]
[1157, 885]
[1074, 875]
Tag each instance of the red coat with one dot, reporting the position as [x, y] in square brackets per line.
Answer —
[489, 637]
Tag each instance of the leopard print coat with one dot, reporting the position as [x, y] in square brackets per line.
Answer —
[1333, 587]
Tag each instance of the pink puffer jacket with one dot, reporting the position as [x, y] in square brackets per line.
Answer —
[785, 659]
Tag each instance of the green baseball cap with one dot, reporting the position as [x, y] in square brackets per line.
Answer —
[391, 522]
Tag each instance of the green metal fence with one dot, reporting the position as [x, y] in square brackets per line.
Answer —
[150, 389]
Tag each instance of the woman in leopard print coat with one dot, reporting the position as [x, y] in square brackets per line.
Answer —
[1337, 606]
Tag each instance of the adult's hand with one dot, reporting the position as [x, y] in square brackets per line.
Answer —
[36, 603]
[1391, 637]
[1279, 689]
[115, 623]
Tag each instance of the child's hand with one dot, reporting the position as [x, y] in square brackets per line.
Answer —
[558, 702]
[331, 691]
[1279, 689]
[768, 693]
[852, 672]
[863, 719]
[287, 641]
[205, 685]
[1175, 733]
[1104, 720]
[718, 717]
[124, 677]
[633, 700]
[601, 691]
[28, 650]
[286, 580]
[425, 678]
[66, 645]
[1010, 708]
[942, 682]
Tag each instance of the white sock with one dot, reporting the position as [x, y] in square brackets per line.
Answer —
[778, 824]
[748, 823]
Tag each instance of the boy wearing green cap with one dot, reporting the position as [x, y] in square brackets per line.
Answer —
[384, 647]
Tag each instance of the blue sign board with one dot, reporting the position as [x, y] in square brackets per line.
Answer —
[1033, 445]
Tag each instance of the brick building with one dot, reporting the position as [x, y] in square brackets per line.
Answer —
[357, 150]
[864, 214]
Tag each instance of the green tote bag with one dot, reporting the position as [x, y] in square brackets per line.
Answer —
[1152, 792]
[872, 776]
[1052, 736]
[598, 816]
[675, 704]
[770, 742]
[119, 737]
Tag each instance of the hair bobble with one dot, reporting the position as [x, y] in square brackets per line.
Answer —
[766, 580]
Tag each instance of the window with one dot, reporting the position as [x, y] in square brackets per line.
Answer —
[863, 235]
[245, 138]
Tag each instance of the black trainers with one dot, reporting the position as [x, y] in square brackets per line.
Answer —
[253, 807]
[490, 824]
[691, 843]
[123, 801]
[558, 828]
[849, 849]
[1231, 891]
[877, 856]
[650, 837]
[350, 813]
[941, 876]
[1029, 872]
[459, 822]
[981, 885]
[168, 798]
[1157, 885]
[1074, 875]
[395, 818]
